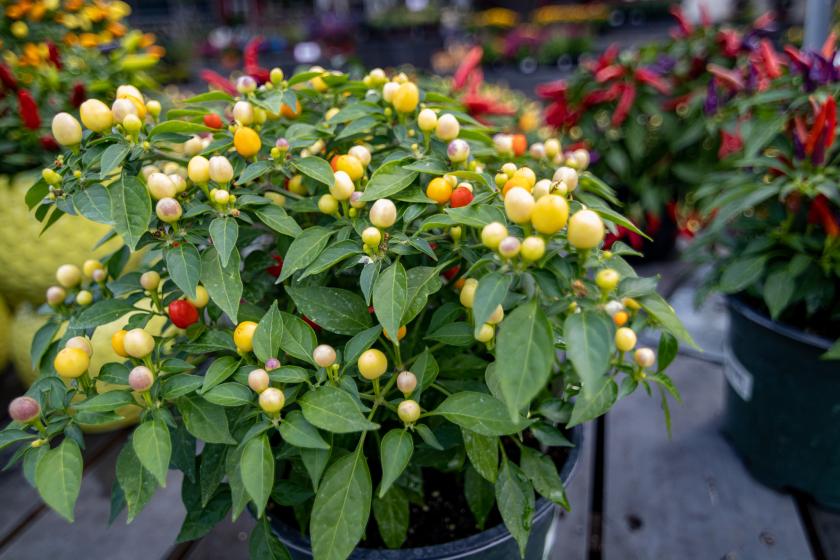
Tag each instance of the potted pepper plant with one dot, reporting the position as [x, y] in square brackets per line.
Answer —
[357, 319]
[774, 248]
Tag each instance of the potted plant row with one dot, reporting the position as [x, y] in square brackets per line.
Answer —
[381, 333]
[774, 248]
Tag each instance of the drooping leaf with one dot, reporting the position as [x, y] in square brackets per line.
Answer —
[395, 450]
[223, 283]
[58, 477]
[153, 448]
[300, 433]
[224, 232]
[515, 498]
[490, 293]
[483, 452]
[334, 410]
[304, 250]
[269, 334]
[392, 516]
[207, 422]
[390, 298]
[480, 413]
[138, 484]
[588, 346]
[184, 265]
[131, 209]
[390, 179]
[257, 466]
[334, 309]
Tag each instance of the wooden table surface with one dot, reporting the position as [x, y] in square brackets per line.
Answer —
[637, 494]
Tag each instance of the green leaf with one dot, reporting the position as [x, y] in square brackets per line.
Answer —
[483, 452]
[360, 126]
[219, 371]
[341, 508]
[180, 385]
[390, 294]
[254, 171]
[423, 281]
[298, 338]
[480, 495]
[315, 461]
[102, 312]
[334, 309]
[224, 232]
[833, 353]
[392, 515]
[179, 127]
[94, 203]
[664, 314]
[112, 157]
[458, 333]
[223, 283]
[257, 466]
[541, 471]
[778, 292]
[618, 219]
[277, 219]
[304, 250]
[476, 215]
[269, 334]
[153, 448]
[525, 354]
[105, 402]
[300, 433]
[359, 343]
[138, 484]
[395, 450]
[229, 394]
[331, 256]
[58, 477]
[263, 545]
[390, 179]
[316, 168]
[515, 498]
[207, 422]
[10, 436]
[490, 293]
[334, 410]
[478, 412]
[667, 350]
[184, 265]
[289, 374]
[201, 519]
[589, 408]
[741, 274]
[589, 344]
[131, 209]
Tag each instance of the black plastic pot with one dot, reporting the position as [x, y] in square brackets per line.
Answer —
[492, 544]
[783, 405]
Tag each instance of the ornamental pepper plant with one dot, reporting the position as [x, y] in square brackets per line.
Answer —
[354, 303]
[774, 238]
[53, 56]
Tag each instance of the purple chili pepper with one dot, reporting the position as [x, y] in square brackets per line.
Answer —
[752, 78]
[710, 106]
[798, 147]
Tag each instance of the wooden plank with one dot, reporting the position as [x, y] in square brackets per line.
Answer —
[827, 528]
[151, 535]
[21, 502]
[690, 496]
[226, 542]
[569, 537]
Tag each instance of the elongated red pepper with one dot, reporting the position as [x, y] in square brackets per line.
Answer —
[609, 73]
[816, 132]
[78, 95]
[730, 42]
[602, 95]
[7, 78]
[552, 90]
[625, 103]
[684, 25]
[54, 55]
[730, 79]
[830, 122]
[28, 110]
[829, 46]
[770, 58]
[218, 81]
[654, 80]
[820, 213]
[470, 63]
[251, 60]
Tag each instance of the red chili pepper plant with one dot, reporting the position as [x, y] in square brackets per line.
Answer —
[337, 335]
[774, 236]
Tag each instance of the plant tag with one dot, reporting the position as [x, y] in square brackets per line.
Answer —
[737, 375]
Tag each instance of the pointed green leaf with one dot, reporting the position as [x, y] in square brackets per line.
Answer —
[269, 334]
[316, 168]
[395, 450]
[138, 484]
[277, 219]
[333, 309]
[542, 472]
[342, 507]
[112, 158]
[483, 452]
[263, 545]
[390, 295]
[589, 343]
[392, 515]
[300, 433]
[478, 412]
[153, 448]
[219, 371]
[304, 250]
[490, 293]
[207, 422]
[515, 498]
[224, 232]
[298, 339]
[131, 209]
[390, 179]
[334, 410]
[524, 356]
[257, 465]
[58, 477]
[184, 265]
[223, 283]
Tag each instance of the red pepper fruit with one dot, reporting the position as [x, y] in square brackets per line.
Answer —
[829, 46]
[78, 95]
[460, 197]
[49, 143]
[7, 78]
[315, 326]
[770, 59]
[730, 79]
[182, 313]
[28, 110]
[213, 120]
[651, 78]
[276, 269]
[451, 272]
[685, 27]
[729, 144]
[820, 212]
[470, 63]
[218, 81]
[250, 57]
[609, 73]
[817, 130]
[625, 103]
[54, 55]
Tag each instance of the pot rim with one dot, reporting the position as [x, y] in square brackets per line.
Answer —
[478, 542]
[738, 305]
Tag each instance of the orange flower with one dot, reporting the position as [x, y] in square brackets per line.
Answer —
[73, 5]
[88, 40]
[116, 28]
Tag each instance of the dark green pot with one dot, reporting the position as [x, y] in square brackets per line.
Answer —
[783, 405]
